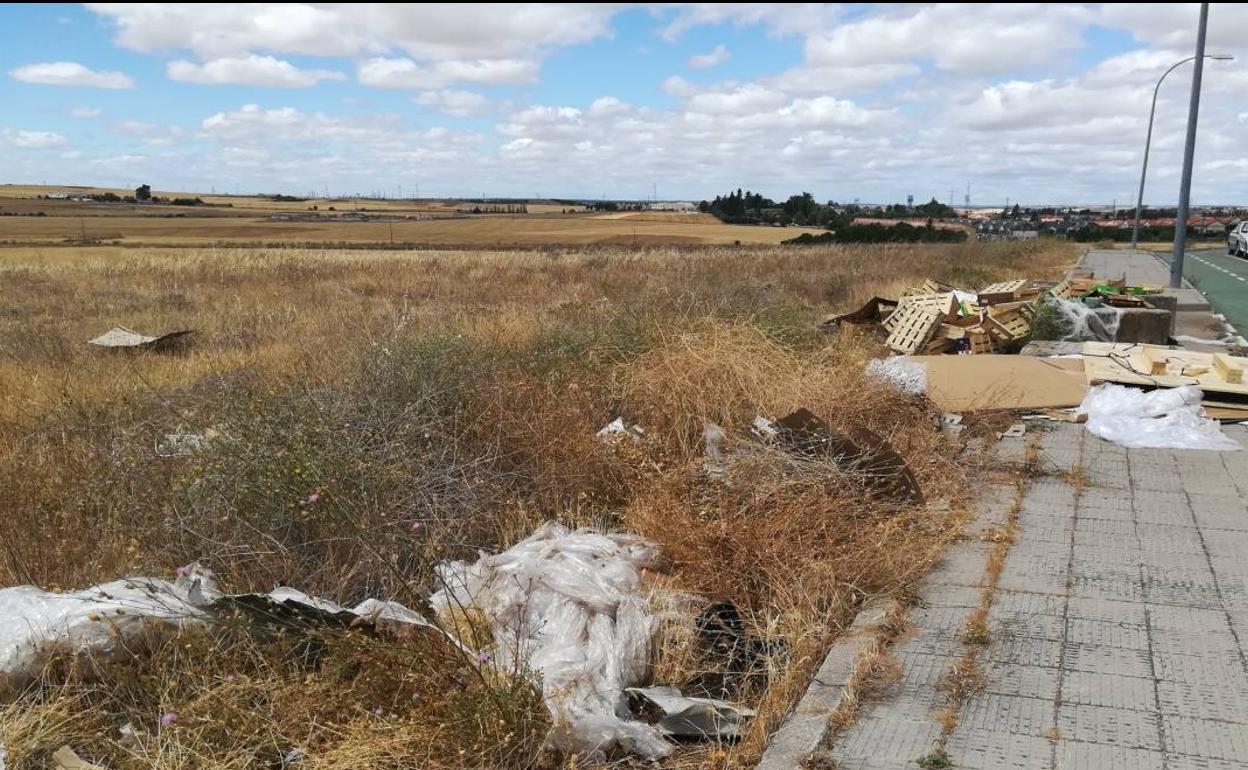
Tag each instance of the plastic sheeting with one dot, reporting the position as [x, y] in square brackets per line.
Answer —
[567, 605]
[1161, 419]
[1087, 324]
[900, 372]
[34, 622]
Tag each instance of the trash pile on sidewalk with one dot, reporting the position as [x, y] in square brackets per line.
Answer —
[934, 317]
[989, 327]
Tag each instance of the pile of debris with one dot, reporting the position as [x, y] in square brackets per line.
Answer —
[933, 317]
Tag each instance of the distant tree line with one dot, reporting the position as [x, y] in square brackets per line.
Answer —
[874, 232]
[750, 208]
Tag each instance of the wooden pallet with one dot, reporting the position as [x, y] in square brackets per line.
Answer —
[913, 326]
[946, 304]
[1011, 324]
[927, 287]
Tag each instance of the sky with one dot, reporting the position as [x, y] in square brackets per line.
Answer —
[1043, 103]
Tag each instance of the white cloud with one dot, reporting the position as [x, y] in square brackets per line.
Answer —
[80, 113]
[150, 134]
[457, 104]
[967, 39]
[607, 105]
[252, 70]
[435, 32]
[405, 73]
[68, 73]
[778, 18]
[713, 58]
[742, 100]
[31, 140]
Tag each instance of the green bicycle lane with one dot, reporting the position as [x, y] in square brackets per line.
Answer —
[1224, 282]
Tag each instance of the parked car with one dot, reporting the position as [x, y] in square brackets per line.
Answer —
[1237, 240]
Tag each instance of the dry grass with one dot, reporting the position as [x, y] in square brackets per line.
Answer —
[437, 403]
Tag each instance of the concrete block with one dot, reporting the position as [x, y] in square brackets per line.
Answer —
[1150, 326]
[1166, 302]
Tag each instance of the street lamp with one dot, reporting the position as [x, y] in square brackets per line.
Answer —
[1139, 201]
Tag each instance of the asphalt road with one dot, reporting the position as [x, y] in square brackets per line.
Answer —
[1224, 282]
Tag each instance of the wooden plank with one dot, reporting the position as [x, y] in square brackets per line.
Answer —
[1231, 372]
[1131, 364]
[1005, 291]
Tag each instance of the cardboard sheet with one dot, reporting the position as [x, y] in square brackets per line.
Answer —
[982, 382]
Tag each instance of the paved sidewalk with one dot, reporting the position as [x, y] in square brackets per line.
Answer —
[1119, 631]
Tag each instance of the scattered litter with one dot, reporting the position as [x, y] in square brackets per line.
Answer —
[618, 428]
[951, 424]
[1161, 419]
[713, 438]
[183, 444]
[66, 758]
[764, 429]
[1058, 415]
[679, 716]
[858, 451]
[1017, 430]
[120, 337]
[568, 606]
[901, 372]
[735, 659]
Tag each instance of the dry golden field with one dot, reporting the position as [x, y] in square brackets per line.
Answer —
[436, 403]
[464, 232]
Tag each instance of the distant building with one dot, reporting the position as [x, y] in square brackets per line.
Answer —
[679, 206]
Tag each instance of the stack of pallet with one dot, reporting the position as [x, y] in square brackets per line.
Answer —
[936, 318]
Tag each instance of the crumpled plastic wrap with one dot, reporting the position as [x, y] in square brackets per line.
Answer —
[568, 606]
[1169, 418]
[901, 373]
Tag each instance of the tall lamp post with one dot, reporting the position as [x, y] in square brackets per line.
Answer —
[1139, 201]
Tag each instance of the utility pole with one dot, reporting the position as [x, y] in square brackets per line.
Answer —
[1189, 153]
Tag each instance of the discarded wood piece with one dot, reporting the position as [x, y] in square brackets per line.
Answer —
[66, 758]
[873, 312]
[1229, 371]
[121, 338]
[857, 450]
[1004, 291]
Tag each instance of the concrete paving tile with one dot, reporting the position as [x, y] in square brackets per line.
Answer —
[1095, 689]
[1203, 701]
[1106, 660]
[1107, 610]
[1023, 650]
[1200, 669]
[1072, 755]
[1113, 726]
[1205, 738]
[891, 740]
[1020, 679]
[981, 750]
[995, 712]
[1102, 633]
[1181, 762]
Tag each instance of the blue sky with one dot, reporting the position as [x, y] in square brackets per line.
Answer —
[1038, 103]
